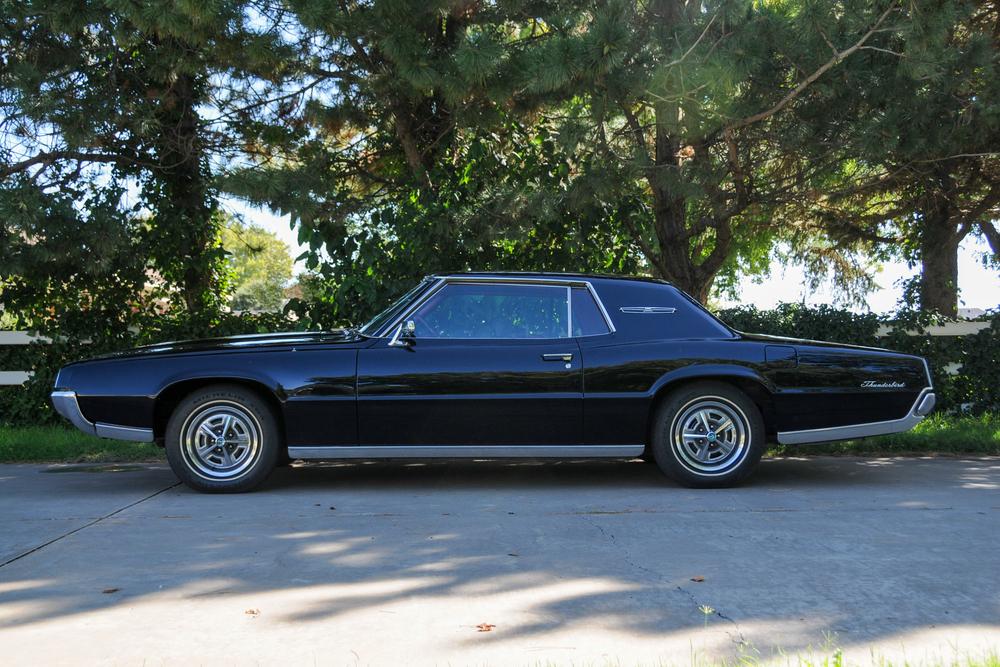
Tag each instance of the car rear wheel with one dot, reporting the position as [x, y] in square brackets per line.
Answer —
[708, 434]
[222, 439]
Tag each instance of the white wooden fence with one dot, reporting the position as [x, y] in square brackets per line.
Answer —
[24, 338]
[14, 338]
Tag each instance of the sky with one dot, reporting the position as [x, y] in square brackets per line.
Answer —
[979, 287]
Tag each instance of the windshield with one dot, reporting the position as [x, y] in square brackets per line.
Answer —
[393, 311]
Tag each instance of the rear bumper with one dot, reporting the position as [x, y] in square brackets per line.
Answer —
[66, 405]
[921, 408]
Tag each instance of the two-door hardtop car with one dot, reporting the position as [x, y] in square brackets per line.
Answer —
[497, 365]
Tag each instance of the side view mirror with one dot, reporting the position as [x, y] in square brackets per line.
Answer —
[404, 335]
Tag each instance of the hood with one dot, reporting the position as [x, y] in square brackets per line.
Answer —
[244, 342]
[784, 340]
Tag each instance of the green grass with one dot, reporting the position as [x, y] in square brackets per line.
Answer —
[937, 434]
[836, 659]
[57, 444]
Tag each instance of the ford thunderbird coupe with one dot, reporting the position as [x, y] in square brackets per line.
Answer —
[497, 365]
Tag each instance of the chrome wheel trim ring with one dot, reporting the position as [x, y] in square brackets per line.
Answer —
[710, 435]
[221, 441]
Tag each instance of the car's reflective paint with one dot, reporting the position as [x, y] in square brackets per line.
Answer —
[348, 389]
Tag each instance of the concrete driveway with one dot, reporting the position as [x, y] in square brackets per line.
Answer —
[576, 562]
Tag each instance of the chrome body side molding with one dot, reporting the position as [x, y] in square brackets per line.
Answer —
[66, 404]
[465, 451]
[921, 407]
[116, 432]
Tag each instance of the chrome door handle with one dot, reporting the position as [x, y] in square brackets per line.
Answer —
[558, 356]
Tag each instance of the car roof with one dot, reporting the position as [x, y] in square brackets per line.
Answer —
[548, 274]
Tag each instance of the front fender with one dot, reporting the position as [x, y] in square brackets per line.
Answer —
[221, 374]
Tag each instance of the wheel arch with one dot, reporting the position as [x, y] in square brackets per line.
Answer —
[167, 400]
[751, 383]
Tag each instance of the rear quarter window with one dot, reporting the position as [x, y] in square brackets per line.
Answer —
[587, 318]
[687, 320]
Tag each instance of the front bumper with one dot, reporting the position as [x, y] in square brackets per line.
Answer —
[66, 404]
[921, 408]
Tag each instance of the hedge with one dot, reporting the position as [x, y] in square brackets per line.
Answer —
[975, 387]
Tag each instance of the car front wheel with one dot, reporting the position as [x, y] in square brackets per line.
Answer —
[222, 439]
[708, 434]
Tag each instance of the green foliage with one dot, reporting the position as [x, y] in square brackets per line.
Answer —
[260, 267]
[913, 130]
[483, 215]
[798, 321]
[98, 92]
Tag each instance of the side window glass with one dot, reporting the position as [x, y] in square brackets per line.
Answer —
[494, 311]
[587, 317]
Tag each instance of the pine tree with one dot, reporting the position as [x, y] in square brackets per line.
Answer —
[116, 92]
[917, 142]
[687, 116]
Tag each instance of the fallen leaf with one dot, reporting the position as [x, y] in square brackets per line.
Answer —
[252, 612]
[698, 578]
[109, 591]
[485, 627]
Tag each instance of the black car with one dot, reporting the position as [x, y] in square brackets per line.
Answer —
[497, 365]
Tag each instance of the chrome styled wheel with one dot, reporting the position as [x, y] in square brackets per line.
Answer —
[221, 440]
[710, 435]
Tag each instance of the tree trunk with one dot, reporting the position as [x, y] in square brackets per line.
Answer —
[939, 264]
[675, 262]
[674, 259]
[185, 208]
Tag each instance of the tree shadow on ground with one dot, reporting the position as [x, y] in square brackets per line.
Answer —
[862, 549]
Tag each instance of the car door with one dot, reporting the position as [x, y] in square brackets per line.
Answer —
[488, 364]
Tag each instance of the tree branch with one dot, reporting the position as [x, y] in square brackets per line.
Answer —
[719, 254]
[646, 249]
[636, 130]
[992, 236]
[809, 80]
[52, 157]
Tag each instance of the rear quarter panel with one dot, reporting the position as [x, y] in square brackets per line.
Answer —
[817, 387]
[833, 386]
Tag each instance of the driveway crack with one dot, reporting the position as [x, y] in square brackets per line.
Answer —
[738, 638]
[87, 525]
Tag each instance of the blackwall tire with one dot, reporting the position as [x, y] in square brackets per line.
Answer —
[708, 435]
[223, 439]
